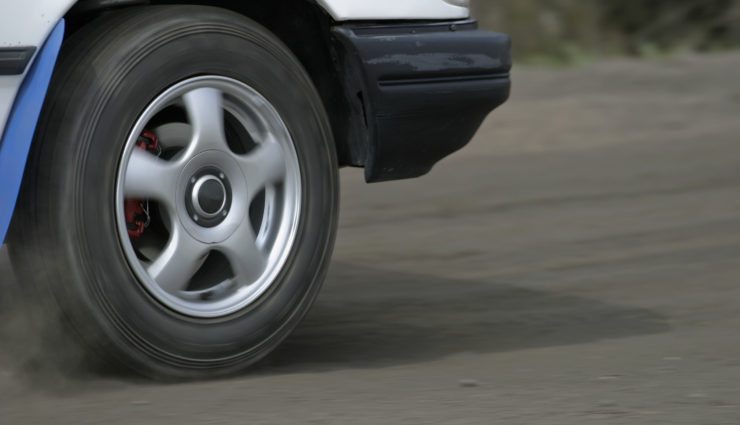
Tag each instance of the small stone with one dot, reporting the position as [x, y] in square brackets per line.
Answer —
[469, 383]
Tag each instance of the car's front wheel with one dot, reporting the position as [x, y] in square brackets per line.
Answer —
[181, 200]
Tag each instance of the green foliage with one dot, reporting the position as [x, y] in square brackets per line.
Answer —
[566, 30]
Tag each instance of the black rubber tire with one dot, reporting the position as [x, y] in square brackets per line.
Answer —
[64, 241]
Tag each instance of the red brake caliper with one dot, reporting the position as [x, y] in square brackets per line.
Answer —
[137, 211]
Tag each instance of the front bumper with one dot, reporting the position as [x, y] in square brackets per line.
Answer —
[422, 91]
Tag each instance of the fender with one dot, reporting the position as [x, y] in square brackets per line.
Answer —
[21, 126]
[29, 27]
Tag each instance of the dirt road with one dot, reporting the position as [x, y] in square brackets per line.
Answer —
[579, 263]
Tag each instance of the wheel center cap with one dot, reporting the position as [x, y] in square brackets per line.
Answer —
[208, 197]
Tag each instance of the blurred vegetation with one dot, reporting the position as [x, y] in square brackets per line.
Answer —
[574, 30]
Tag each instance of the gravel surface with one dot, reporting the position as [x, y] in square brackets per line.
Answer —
[579, 263]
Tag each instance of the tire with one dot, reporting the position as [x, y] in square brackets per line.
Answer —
[69, 239]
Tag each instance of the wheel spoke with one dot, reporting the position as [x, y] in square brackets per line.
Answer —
[148, 177]
[205, 111]
[265, 165]
[247, 260]
[174, 135]
[179, 261]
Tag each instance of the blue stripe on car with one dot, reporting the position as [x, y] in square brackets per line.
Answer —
[21, 125]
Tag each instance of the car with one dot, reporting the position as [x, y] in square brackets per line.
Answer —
[170, 168]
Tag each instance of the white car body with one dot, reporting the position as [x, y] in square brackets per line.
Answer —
[25, 25]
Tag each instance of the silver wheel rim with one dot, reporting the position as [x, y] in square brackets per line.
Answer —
[224, 204]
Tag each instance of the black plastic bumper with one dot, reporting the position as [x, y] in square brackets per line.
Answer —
[423, 91]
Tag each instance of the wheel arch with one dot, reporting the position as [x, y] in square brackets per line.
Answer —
[303, 25]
